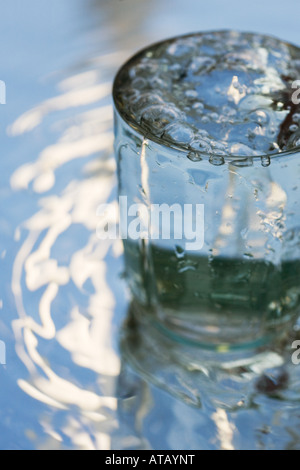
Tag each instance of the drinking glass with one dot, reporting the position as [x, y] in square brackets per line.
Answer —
[211, 240]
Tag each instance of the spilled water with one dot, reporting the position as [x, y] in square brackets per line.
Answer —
[65, 384]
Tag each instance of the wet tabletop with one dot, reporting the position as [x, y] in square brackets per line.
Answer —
[63, 299]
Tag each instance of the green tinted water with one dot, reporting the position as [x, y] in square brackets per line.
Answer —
[185, 284]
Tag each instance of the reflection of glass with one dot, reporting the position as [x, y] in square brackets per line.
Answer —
[242, 286]
[218, 400]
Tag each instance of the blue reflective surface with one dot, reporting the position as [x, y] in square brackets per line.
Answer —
[62, 297]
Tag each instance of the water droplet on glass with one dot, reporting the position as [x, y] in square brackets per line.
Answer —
[216, 160]
[214, 116]
[179, 133]
[194, 157]
[139, 83]
[266, 161]
[159, 117]
[179, 252]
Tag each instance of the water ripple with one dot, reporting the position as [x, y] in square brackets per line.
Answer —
[82, 331]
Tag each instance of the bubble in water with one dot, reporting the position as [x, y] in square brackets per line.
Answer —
[180, 50]
[202, 133]
[202, 64]
[145, 68]
[158, 117]
[205, 120]
[296, 118]
[198, 107]
[218, 146]
[191, 94]
[175, 71]
[260, 117]
[293, 128]
[201, 145]
[231, 86]
[214, 116]
[145, 100]
[179, 133]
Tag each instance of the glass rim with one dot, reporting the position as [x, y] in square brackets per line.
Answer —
[146, 134]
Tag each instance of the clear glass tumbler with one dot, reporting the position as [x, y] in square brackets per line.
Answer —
[211, 238]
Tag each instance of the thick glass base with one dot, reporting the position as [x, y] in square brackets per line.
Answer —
[221, 376]
[218, 332]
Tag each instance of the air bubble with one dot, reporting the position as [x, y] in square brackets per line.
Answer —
[238, 98]
[293, 128]
[228, 111]
[191, 94]
[158, 83]
[219, 148]
[179, 133]
[146, 68]
[260, 117]
[147, 99]
[203, 133]
[202, 65]
[201, 145]
[139, 83]
[180, 50]
[296, 118]
[159, 117]
[205, 119]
